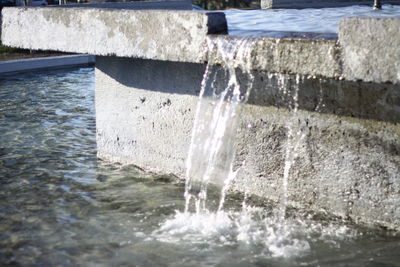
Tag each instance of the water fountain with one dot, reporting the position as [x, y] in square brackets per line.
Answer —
[346, 155]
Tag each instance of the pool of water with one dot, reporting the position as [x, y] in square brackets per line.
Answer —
[323, 20]
[60, 205]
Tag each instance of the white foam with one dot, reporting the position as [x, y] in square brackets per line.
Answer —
[250, 228]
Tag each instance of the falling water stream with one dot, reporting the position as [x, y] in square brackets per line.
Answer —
[212, 147]
[211, 160]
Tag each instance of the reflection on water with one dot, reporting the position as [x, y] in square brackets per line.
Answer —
[324, 20]
[59, 205]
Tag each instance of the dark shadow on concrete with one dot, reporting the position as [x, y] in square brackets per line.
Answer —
[373, 101]
[154, 75]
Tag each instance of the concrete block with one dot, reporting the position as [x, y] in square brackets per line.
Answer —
[292, 54]
[152, 34]
[184, 36]
[371, 49]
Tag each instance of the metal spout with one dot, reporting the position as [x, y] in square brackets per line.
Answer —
[377, 4]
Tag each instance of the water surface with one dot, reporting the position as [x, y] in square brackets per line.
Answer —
[60, 205]
[322, 20]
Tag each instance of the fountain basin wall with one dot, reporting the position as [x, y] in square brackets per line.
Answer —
[149, 68]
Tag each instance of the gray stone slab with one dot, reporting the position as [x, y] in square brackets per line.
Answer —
[266, 4]
[367, 50]
[153, 34]
[307, 56]
[22, 65]
[371, 49]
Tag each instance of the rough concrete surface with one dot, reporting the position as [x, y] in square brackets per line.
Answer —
[145, 110]
[283, 55]
[20, 65]
[183, 36]
[347, 159]
[371, 49]
[154, 34]
[344, 166]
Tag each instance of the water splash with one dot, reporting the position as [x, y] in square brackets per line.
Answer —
[211, 156]
[252, 229]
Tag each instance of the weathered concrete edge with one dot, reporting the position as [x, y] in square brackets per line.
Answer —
[314, 57]
[45, 63]
[371, 56]
[123, 33]
[288, 55]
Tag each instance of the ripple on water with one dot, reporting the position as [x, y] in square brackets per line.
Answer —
[60, 205]
[300, 20]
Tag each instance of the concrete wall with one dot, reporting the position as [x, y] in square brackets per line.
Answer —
[145, 110]
[348, 155]
[373, 55]
[182, 36]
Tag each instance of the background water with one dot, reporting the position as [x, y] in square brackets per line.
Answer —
[60, 205]
[323, 20]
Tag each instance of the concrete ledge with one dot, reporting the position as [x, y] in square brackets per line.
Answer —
[21, 65]
[157, 34]
[184, 36]
[312, 56]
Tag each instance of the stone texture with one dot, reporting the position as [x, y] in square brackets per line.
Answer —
[284, 55]
[152, 34]
[184, 36]
[371, 49]
[347, 159]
